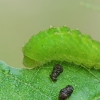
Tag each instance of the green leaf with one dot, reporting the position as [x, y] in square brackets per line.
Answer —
[35, 84]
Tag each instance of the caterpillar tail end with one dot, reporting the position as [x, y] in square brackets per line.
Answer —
[29, 63]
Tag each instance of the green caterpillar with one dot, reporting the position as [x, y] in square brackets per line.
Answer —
[61, 44]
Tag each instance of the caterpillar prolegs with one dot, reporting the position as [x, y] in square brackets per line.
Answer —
[61, 44]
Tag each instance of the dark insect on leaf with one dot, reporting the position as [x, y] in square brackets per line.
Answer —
[65, 92]
[56, 72]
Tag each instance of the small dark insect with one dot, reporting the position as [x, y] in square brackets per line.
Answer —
[56, 72]
[65, 92]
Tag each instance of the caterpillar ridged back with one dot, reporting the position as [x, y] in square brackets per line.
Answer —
[61, 44]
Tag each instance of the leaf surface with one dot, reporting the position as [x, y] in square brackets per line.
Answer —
[35, 84]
